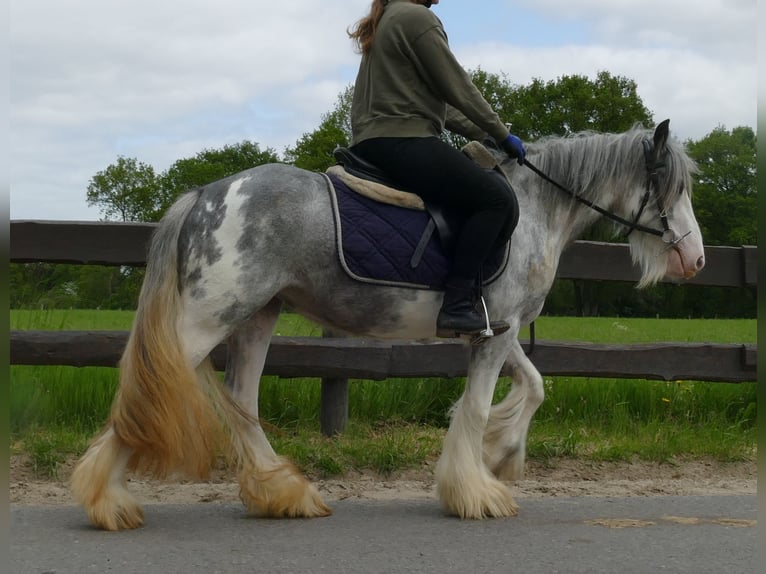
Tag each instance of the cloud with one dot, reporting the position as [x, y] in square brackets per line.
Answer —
[695, 92]
[143, 61]
[693, 62]
[717, 28]
[94, 79]
[91, 80]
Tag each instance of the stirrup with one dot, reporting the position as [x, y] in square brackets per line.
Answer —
[488, 332]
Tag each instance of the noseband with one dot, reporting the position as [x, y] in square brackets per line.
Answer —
[668, 235]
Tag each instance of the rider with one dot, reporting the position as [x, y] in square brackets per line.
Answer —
[408, 89]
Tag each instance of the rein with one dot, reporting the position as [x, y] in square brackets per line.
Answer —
[614, 217]
[668, 236]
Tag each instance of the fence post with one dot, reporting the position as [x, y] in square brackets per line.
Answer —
[333, 411]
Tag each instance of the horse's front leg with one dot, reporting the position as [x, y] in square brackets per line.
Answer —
[506, 436]
[465, 485]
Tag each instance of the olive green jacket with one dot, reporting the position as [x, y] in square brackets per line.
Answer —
[410, 84]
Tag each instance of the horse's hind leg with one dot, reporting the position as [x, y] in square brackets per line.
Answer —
[99, 481]
[158, 424]
[506, 436]
[269, 485]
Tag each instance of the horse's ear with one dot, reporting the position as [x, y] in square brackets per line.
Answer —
[661, 134]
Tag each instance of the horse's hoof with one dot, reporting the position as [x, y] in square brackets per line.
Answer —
[492, 499]
[281, 492]
[117, 514]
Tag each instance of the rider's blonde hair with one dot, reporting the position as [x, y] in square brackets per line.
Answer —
[364, 30]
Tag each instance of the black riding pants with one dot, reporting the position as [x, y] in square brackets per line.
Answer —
[443, 175]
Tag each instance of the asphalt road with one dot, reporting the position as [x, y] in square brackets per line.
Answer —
[715, 534]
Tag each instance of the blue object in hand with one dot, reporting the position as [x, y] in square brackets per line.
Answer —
[514, 148]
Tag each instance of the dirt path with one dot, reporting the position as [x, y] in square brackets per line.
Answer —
[561, 477]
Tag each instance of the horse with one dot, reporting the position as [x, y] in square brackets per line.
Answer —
[226, 257]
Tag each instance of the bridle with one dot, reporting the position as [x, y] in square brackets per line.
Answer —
[653, 163]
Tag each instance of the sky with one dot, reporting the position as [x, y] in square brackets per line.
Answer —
[92, 80]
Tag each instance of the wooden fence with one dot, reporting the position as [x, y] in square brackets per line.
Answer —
[338, 359]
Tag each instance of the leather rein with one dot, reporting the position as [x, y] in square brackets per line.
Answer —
[653, 163]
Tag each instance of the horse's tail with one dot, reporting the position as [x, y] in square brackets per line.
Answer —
[165, 408]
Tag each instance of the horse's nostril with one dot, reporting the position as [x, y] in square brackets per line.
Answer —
[700, 263]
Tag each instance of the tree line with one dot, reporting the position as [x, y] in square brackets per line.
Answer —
[725, 196]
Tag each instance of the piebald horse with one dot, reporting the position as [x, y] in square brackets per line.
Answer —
[226, 257]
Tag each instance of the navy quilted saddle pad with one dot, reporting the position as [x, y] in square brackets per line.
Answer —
[376, 243]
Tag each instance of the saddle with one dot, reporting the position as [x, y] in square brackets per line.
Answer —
[370, 181]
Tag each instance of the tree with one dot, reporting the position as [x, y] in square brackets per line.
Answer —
[566, 105]
[575, 103]
[211, 165]
[28, 283]
[725, 192]
[127, 191]
[313, 151]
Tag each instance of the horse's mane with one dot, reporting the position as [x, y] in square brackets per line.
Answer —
[585, 161]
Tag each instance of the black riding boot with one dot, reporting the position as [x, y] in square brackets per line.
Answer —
[459, 316]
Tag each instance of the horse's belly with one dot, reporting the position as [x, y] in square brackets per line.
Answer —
[359, 309]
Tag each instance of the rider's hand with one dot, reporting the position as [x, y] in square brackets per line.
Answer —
[514, 148]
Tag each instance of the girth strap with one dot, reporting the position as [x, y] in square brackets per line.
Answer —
[423, 243]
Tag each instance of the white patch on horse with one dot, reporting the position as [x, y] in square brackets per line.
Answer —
[219, 278]
[236, 185]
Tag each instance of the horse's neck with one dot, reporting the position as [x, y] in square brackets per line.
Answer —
[565, 217]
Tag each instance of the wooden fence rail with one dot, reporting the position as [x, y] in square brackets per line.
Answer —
[337, 359]
[343, 358]
[111, 243]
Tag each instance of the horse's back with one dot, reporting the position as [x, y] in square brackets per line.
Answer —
[265, 182]
[277, 194]
[266, 217]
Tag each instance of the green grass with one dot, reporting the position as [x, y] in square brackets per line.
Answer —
[383, 447]
[71, 319]
[399, 423]
[650, 420]
[589, 329]
[619, 330]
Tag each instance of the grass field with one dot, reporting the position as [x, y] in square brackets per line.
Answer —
[399, 423]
